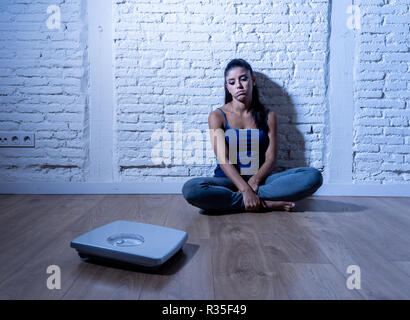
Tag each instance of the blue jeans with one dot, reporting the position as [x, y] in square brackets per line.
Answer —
[220, 194]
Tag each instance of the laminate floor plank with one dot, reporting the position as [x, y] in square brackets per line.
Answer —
[310, 281]
[182, 216]
[403, 266]
[239, 263]
[9, 202]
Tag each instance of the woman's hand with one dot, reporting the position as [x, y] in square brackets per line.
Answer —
[251, 200]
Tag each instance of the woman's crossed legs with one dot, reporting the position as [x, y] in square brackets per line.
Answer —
[220, 194]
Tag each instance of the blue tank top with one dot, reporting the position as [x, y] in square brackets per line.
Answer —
[245, 154]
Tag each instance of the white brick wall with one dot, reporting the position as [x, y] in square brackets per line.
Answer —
[43, 89]
[169, 58]
[169, 63]
[381, 122]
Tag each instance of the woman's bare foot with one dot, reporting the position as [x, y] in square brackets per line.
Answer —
[279, 205]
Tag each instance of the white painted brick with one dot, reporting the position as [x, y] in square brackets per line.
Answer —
[396, 167]
[398, 94]
[381, 103]
[399, 122]
[388, 113]
[397, 131]
[66, 134]
[395, 149]
[374, 122]
[369, 94]
[388, 140]
[63, 117]
[368, 166]
[359, 147]
[370, 85]
[363, 131]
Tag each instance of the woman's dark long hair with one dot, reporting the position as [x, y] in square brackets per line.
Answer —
[257, 108]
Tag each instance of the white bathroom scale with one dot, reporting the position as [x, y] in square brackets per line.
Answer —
[135, 243]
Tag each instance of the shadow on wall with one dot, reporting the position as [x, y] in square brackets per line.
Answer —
[291, 149]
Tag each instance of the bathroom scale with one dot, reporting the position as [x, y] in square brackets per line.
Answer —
[139, 244]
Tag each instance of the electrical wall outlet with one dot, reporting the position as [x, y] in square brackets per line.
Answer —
[17, 139]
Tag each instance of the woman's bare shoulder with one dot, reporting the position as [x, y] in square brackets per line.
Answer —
[217, 113]
[216, 118]
[272, 119]
[271, 114]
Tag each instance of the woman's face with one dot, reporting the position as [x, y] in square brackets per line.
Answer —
[240, 84]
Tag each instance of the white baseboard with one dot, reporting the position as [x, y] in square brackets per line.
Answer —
[394, 190]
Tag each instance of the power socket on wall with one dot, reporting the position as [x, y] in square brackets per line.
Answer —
[17, 139]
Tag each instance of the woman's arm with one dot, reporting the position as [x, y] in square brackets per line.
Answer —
[270, 155]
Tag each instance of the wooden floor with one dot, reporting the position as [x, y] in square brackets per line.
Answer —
[278, 255]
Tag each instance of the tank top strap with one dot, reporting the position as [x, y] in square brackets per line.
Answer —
[267, 114]
[226, 120]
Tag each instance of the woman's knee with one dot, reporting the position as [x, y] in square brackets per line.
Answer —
[314, 181]
[190, 189]
[316, 178]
